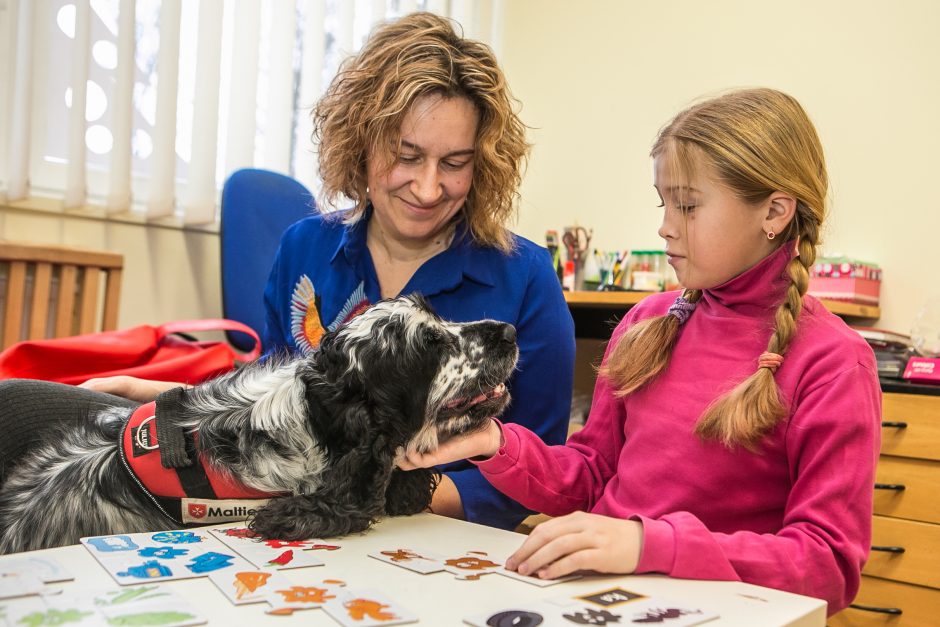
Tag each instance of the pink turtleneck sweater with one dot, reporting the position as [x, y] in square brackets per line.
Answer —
[795, 516]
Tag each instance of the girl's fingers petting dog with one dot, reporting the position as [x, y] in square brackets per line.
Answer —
[135, 389]
[579, 541]
[482, 443]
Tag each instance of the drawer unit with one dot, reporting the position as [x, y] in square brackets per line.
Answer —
[901, 581]
[905, 550]
[890, 604]
[911, 426]
[908, 488]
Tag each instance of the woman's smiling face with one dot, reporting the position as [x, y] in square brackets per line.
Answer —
[416, 197]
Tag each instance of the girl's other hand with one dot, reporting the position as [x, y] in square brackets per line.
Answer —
[483, 443]
[579, 541]
[135, 389]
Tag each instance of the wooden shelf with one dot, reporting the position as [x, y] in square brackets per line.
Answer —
[582, 299]
[852, 310]
[604, 299]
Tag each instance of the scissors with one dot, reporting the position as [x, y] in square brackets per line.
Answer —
[576, 240]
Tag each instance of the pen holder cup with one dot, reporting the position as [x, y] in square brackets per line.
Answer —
[579, 273]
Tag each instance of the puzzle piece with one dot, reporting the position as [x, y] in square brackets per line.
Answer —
[272, 553]
[166, 555]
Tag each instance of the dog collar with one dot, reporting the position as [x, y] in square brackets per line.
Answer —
[191, 493]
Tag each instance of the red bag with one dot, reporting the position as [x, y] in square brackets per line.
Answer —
[145, 351]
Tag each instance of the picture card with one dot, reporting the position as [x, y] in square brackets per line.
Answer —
[147, 605]
[175, 615]
[625, 607]
[610, 597]
[44, 568]
[645, 611]
[423, 562]
[247, 585]
[467, 566]
[132, 559]
[13, 585]
[286, 600]
[367, 608]
[535, 581]
[533, 613]
[280, 559]
[273, 554]
[663, 612]
[471, 565]
[22, 611]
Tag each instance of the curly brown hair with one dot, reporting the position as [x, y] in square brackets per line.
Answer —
[362, 111]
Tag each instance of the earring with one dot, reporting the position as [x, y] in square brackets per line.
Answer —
[771, 235]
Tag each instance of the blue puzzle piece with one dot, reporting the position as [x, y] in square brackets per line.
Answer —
[112, 544]
[210, 561]
[176, 537]
[151, 569]
[163, 552]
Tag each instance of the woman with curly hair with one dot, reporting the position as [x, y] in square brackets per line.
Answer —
[419, 131]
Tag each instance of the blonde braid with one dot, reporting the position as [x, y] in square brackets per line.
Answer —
[643, 351]
[754, 407]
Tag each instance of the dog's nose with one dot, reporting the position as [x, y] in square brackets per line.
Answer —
[509, 334]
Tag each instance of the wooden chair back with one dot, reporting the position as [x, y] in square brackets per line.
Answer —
[56, 291]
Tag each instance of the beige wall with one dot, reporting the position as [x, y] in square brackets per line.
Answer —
[598, 78]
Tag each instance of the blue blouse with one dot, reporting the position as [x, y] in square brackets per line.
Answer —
[323, 275]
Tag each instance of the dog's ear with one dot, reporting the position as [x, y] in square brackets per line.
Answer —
[351, 496]
[410, 492]
[331, 363]
[306, 517]
[351, 492]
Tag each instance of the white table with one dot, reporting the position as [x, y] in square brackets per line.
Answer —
[439, 599]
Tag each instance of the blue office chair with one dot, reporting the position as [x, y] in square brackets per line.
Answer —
[257, 207]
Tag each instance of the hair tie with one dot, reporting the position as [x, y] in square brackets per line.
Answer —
[769, 360]
[681, 309]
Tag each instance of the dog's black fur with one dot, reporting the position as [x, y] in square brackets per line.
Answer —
[326, 430]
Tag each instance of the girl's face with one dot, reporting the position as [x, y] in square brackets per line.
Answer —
[415, 200]
[711, 235]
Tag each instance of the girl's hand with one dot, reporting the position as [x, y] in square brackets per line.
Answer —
[579, 541]
[133, 388]
[483, 443]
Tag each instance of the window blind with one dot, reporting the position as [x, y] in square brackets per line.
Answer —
[146, 106]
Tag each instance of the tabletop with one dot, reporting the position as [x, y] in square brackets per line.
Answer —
[441, 599]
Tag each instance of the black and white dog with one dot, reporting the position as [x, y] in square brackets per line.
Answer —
[319, 434]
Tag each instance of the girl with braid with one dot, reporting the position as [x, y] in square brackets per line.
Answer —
[735, 425]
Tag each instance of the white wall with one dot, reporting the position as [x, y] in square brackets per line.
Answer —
[598, 78]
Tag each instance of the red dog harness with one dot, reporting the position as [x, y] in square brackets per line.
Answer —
[192, 492]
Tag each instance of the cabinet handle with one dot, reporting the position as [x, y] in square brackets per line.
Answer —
[897, 487]
[894, 424]
[896, 611]
[888, 549]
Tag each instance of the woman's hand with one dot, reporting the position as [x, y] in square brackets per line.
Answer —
[483, 443]
[141, 390]
[579, 541]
